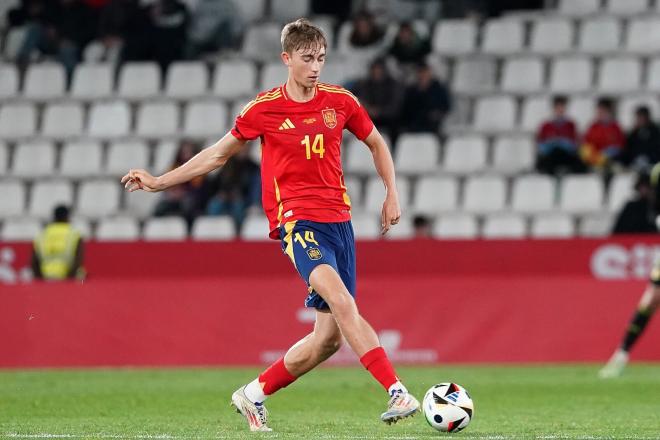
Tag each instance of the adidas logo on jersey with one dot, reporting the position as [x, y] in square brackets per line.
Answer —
[287, 124]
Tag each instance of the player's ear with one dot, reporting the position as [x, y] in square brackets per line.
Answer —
[286, 58]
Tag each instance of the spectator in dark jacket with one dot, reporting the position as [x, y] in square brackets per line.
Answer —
[556, 142]
[425, 103]
[408, 47]
[638, 214]
[643, 142]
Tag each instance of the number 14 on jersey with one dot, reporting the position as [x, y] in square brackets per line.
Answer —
[315, 146]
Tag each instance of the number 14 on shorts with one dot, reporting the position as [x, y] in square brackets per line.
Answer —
[309, 238]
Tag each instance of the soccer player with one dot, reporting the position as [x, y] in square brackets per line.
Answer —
[300, 126]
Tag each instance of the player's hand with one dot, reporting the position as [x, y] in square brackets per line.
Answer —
[391, 212]
[140, 179]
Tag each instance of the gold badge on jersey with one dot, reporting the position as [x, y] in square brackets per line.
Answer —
[329, 117]
[314, 253]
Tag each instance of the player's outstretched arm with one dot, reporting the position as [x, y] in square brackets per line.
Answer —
[391, 212]
[202, 163]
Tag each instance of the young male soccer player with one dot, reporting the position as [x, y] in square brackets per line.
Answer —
[300, 126]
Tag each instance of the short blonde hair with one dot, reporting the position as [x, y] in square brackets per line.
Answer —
[301, 34]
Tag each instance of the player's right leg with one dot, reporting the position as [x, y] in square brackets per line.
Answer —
[647, 306]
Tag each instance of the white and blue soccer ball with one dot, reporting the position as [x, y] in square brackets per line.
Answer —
[448, 407]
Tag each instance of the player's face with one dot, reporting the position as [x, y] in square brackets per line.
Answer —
[305, 65]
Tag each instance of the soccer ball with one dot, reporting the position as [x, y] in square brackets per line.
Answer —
[448, 407]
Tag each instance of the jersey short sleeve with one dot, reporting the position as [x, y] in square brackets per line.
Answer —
[247, 125]
[359, 123]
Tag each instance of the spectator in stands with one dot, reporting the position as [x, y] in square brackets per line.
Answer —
[215, 25]
[422, 227]
[236, 188]
[121, 21]
[408, 47]
[183, 200]
[339, 10]
[381, 95]
[366, 32]
[604, 141]
[638, 214]
[425, 103]
[556, 142]
[58, 251]
[643, 142]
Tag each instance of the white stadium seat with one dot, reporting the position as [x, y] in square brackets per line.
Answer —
[165, 229]
[375, 194]
[553, 226]
[81, 159]
[599, 225]
[9, 81]
[502, 36]
[465, 154]
[138, 80]
[457, 226]
[157, 119]
[165, 155]
[83, 226]
[4, 158]
[354, 189]
[140, 204]
[474, 76]
[417, 153]
[213, 228]
[262, 41]
[484, 194]
[454, 37]
[272, 75]
[47, 194]
[124, 155]
[186, 79]
[255, 228]
[44, 81]
[118, 229]
[109, 120]
[435, 195]
[20, 229]
[366, 226]
[513, 154]
[235, 79]
[581, 194]
[533, 193]
[551, 36]
[621, 191]
[501, 226]
[205, 119]
[579, 8]
[358, 158]
[12, 202]
[653, 75]
[523, 75]
[643, 36]
[339, 73]
[98, 198]
[288, 10]
[92, 81]
[34, 159]
[17, 120]
[251, 10]
[620, 75]
[63, 120]
[495, 113]
[582, 110]
[571, 75]
[404, 230]
[535, 110]
[600, 35]
[627, 7]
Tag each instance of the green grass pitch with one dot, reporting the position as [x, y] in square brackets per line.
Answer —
[536, 402]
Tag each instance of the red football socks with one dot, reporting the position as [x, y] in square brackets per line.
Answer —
[275, 377]
[379, 366]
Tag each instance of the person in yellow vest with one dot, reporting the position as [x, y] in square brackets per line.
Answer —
[58, 250]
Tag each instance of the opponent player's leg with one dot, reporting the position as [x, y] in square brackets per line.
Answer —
[362, 338]
[647, 306]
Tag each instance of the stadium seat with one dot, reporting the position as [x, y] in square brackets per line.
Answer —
[339, 73]
[157, 119]
[358, 158]
[164, 155]
[434, 195]
[643, 36]
[552, 36]
[124, 155]
[255, 228]
[366, 226]
[620, 75]
[579, 8]
[600, 35]
[262, 42]
[34, 159]
[12, 202]
[18, 120]
[273, 75]
[404, 230]
[46, 194]
[285, 11]
[620, 191]
[513, 154]
[474, 76]
[599, 225]
[13, 42]
[98, 198]
[582, 110]
[140, 204]
[63, 120]
[9, 81]
[251, 10]
[4, 158]
[581, 194]
[44, 81]
[503, 36]
[534, 193]
[465, 154]
[552, 226]
[186, 79]
[535, 110]
[454, 37]
[523, 75]
[92, 81]
[235, 79]
[138, 80]
[653, 75]
[484, 194]
[501, 226]
[213, 228]
[375, 194]
[570, 74]
[495, 113]
[83, 226]
[417, 153]
[456, 226]
[109, 120]
[165, 229]
[81, 159]
[205, 119]
[20, 229]
[118, 229]
[627, 7]
[628, 104]
[354, 189]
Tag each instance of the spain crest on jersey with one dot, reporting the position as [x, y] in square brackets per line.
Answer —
[329, 117]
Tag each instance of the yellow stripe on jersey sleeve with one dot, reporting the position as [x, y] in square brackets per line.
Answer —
[333, 90]
[267, 97]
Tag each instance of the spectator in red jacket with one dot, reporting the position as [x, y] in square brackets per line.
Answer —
[603, 143]
[557, 142]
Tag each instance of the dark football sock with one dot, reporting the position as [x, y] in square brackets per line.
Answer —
[636, 327]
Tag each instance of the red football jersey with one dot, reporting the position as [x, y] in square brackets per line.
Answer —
[301, 173]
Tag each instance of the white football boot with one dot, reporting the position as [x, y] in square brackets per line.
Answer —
[615, 365]
[255, 414]
[401, 405]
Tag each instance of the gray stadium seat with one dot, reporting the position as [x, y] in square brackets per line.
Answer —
[553, 226]
[252, 10]
[157, 119]
[164, 155]
[643, 35]
[92, 81]
[620, 75]
[124, 155]
[18, 120]
[571, 74]
[435, 195]
[118, 229]
[581, 194]
[12, 202]
[404, 230]
[579, 8]
[354, 190]
[81, 159]
[534, 193]
[140, 204]
[34, 159]
[474, 76]
[594, 226]
[20, 229]
[83, 226]
[653, 75]
[44, 81]
[262, 42]
[620, 191]
[205, 119]
[465, 154]
[455, 226]
[600, 35]
[484, 194]
[359, 159]
[109, 120]
[138, 80]
[255, 228]
[495, 113]
[339, 73]
[288, 10]
[46, 194]
[504, 226]
[552, 36]
[454, 37]
[417, 153]
[272, 75]
[98, 198]
[165, 229]
[627, 7]
[63, 120]
[523, 75]
[535, 110]
[9, 81]
[13, 41]
[4, 158]
[366, 226]
[582, 110]
[503, 36]
[213, 228]
[513, 154]
[235, 79]
[186, 79]
[375, 194]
